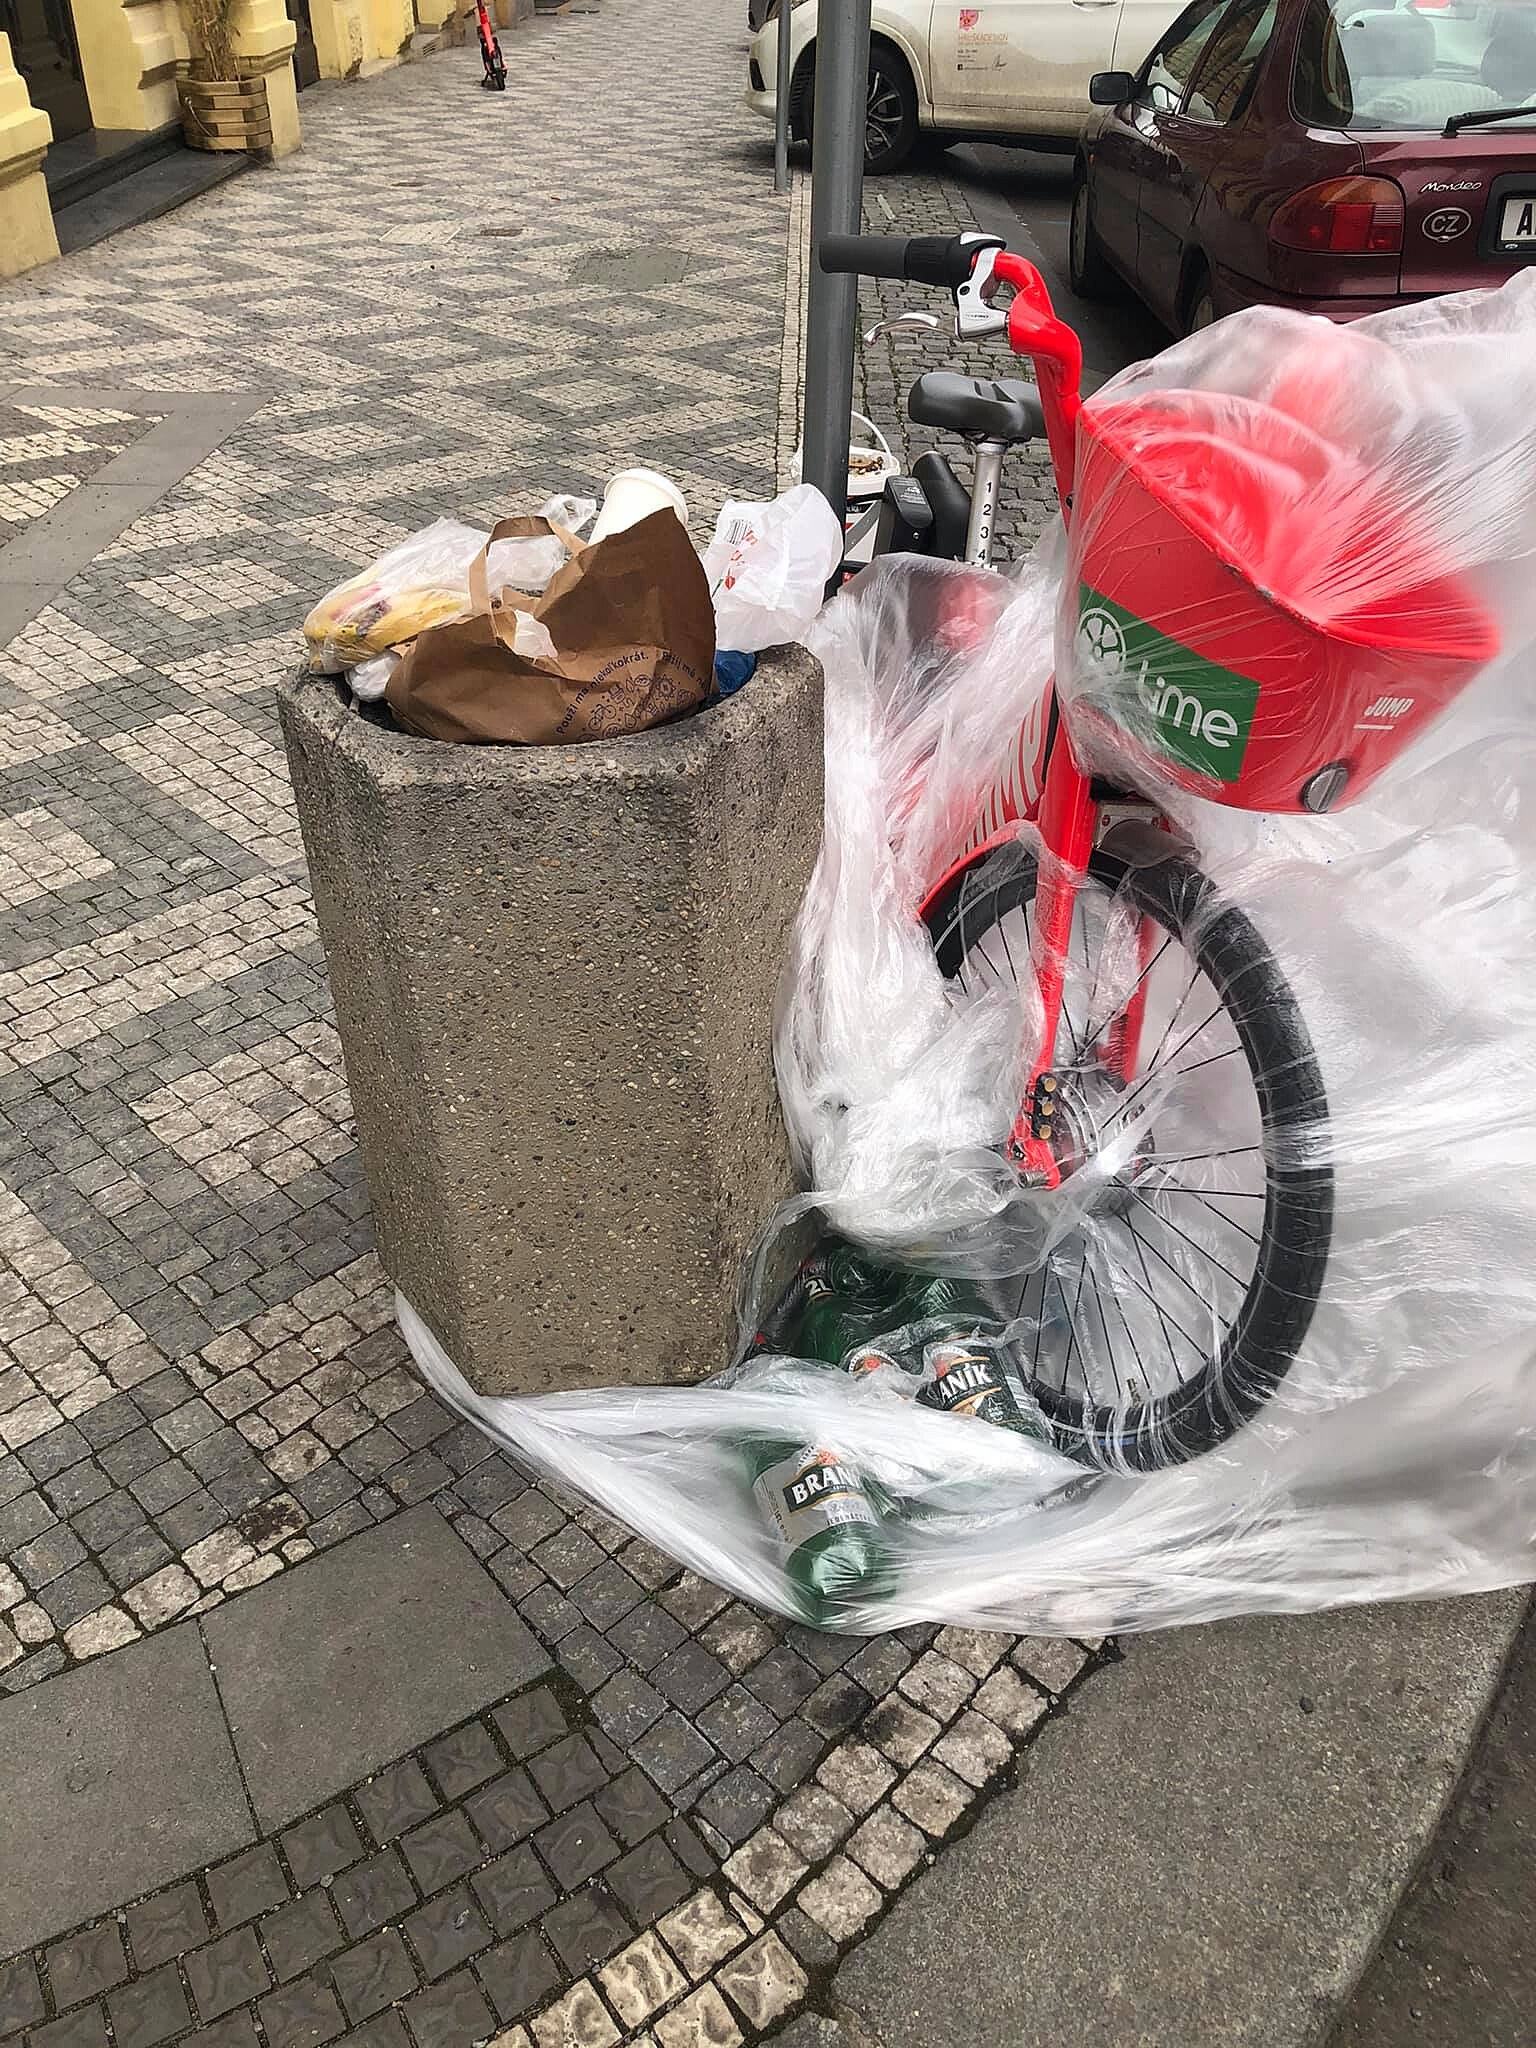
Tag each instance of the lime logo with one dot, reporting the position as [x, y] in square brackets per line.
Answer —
[1100, 641]
[1191, 710]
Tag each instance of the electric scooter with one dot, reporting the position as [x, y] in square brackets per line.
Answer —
[495, 79]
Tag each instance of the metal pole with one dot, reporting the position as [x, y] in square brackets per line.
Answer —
[837, 190]
[781, 103]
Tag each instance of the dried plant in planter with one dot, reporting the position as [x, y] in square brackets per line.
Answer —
[221, 109]
[209, 24]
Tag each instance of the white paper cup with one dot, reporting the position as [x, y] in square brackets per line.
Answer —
[633, 495]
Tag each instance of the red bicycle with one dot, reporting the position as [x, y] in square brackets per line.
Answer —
[1172, 1091]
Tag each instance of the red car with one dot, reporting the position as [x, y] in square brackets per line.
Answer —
[1318, 154]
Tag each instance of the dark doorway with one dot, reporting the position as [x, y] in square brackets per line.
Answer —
[306, 62]
[42, 34]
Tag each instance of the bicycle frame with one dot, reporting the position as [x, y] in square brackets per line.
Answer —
[1044, 784]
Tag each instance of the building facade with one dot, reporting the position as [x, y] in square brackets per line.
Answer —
[88, 89]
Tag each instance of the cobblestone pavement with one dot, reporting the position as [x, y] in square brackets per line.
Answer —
[449, 304]
[195, 1329]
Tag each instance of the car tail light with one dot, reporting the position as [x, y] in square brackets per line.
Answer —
[1342, 217]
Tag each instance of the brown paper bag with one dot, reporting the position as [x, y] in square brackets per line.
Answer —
[633, 633]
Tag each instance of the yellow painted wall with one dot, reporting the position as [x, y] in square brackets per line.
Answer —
[341, 36]
[26, 224]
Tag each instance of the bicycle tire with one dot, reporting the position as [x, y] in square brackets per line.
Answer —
[1272, 1322]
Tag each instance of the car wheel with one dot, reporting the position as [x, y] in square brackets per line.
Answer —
[890, 116]
[1202, 308]
[1087, 266]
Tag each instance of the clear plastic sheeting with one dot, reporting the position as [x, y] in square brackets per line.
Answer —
[1270, 1343]
[1332, 529]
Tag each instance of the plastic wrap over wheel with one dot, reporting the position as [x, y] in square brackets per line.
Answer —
[1270, 1345]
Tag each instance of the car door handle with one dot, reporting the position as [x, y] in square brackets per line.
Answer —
[1086, 5]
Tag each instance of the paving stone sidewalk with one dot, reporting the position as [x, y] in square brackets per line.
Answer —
[448, 305]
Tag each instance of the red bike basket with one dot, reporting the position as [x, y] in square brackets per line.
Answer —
[1258, 618]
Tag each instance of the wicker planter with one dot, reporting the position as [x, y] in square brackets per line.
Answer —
[225, 113]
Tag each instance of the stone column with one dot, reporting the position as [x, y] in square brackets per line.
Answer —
[263, 39]
[554, 971]
[130, 52]
[26, 219]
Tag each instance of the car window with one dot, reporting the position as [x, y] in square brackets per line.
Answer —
[1171, 65]
[1230, 63]
[1381, 69]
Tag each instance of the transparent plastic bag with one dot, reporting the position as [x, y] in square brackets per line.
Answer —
[528, 564]
[1279, 1315]
[425, 580]
[417, 584]
[768, 567]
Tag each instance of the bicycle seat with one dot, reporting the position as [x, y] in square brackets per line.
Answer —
[992, 408]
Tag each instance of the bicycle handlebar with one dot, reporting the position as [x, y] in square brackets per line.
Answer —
[1033, 327]
[943, 260]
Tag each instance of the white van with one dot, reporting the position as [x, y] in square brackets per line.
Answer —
[1012, 70]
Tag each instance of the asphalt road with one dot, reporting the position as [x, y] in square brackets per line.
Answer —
[1026, 195]
[1458, 1966]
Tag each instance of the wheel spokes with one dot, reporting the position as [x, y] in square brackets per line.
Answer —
[1136, 1300]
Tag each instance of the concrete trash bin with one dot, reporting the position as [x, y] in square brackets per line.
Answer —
[553, 971]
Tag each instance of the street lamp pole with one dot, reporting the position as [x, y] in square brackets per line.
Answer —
[781, 103]
[837, 190]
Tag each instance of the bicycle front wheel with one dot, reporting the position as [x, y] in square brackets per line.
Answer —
[1176, 1304]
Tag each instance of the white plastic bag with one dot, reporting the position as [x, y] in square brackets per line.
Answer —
[768, 567]
[370, 679]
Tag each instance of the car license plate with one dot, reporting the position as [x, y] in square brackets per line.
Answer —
[1518, 222]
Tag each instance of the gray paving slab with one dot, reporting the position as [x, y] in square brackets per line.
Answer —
[1205, 1852]
[356, 1656]
[113, 1778]
[51, 550]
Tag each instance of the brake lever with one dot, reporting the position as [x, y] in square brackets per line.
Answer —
[903, 323]
[975, 315]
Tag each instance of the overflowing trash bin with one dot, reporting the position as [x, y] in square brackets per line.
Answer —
[531, 635]
[553, 951]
